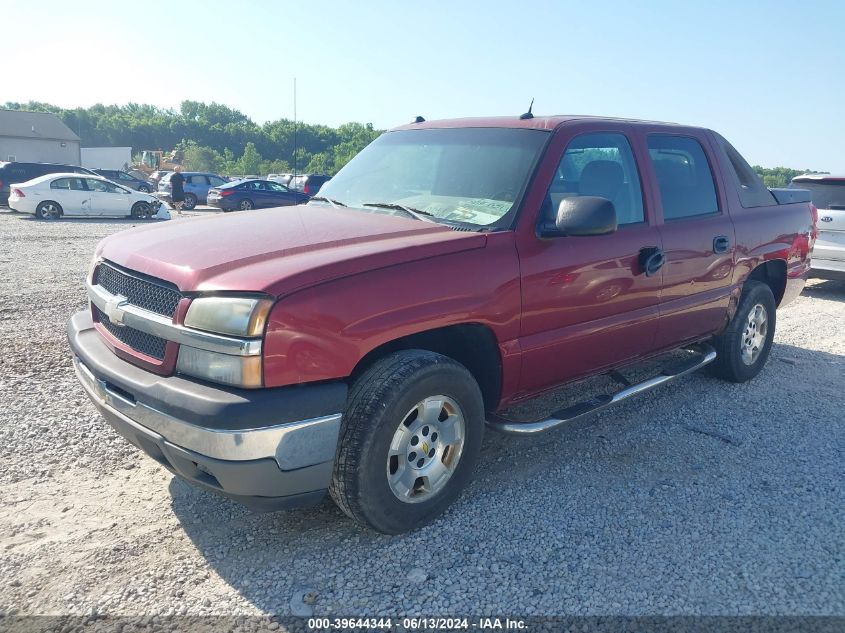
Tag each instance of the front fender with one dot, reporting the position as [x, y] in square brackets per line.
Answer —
[321, 333]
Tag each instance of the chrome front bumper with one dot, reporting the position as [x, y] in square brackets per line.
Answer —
[267, 448]
[292, 445]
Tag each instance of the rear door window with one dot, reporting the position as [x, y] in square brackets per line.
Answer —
[684, 176]
[71, 184]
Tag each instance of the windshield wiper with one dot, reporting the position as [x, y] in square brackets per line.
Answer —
[331, 201]
[419, 214]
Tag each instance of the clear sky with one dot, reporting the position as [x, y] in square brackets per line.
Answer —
[770, 76]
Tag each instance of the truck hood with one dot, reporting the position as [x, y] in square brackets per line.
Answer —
[279, 251]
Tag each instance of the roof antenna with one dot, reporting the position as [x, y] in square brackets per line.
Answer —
[418, 119]
[527, 115]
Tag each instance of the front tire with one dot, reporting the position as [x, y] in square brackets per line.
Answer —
[142, 211]
[409, 441]
[743, 348]
[144, 189]
[190, 201]
[48, 210]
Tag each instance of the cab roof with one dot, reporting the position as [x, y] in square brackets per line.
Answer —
[537, 122]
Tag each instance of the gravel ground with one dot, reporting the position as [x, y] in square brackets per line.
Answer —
[699, 498]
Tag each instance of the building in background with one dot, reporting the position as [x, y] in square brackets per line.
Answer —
[107, 158]
[37, 137]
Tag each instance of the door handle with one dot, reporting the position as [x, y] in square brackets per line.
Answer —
[651, 260]
[721, 244]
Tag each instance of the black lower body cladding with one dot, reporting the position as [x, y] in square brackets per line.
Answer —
[267, 448]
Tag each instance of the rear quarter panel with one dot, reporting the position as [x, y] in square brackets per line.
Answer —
[774, 232]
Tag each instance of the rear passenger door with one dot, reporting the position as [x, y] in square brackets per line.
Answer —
[697, 234]
[197, 184]
[72, 195]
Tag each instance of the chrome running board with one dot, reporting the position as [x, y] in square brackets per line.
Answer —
[705, 354]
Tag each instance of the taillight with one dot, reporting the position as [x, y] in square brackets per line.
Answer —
[306, 188]
[18, 193]
[226, 192]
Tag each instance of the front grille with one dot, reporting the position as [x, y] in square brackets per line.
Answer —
[143, 293]
[140, 341]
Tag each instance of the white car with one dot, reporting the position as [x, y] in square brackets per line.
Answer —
[65, 195]
[828, 193]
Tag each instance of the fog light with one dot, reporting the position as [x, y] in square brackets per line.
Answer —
[240, 371]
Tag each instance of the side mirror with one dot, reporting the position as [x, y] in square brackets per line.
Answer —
[582, 216]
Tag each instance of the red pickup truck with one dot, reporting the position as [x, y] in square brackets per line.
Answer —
[359, 344]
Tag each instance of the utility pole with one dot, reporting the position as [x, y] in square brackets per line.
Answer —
[294, 127]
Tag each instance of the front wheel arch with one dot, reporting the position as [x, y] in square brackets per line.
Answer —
[473, 345]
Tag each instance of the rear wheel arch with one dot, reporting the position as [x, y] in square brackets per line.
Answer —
[40, 209]
[773, 274]
[473, 345]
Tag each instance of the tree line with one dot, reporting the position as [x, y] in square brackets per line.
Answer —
[780, 176]
[214, 137]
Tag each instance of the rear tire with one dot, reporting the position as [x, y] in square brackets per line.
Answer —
[49, 210]
[190, 201]
[409, 441]
[743, 348]
[144, 189]
[246, 205]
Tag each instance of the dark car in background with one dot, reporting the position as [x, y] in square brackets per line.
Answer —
[252, 194]
[309, 183]
[21, 172]
[197, 184]
[126, 179]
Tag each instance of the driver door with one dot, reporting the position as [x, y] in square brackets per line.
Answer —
[107, 198]
[279, 195]
[588, 304]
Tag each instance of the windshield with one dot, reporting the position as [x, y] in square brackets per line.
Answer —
[828, 194]
[471, 176]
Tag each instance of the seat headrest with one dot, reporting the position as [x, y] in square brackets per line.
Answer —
[601, 178]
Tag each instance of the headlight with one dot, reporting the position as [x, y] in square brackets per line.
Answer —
[237, 316]
[240, 371]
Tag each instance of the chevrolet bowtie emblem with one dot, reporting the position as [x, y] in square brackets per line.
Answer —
[425, 447]
[114, 309]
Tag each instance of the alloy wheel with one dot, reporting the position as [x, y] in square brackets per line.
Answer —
[426, 449]
[754, 336]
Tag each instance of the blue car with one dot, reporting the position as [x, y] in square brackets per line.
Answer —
[242, 195]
